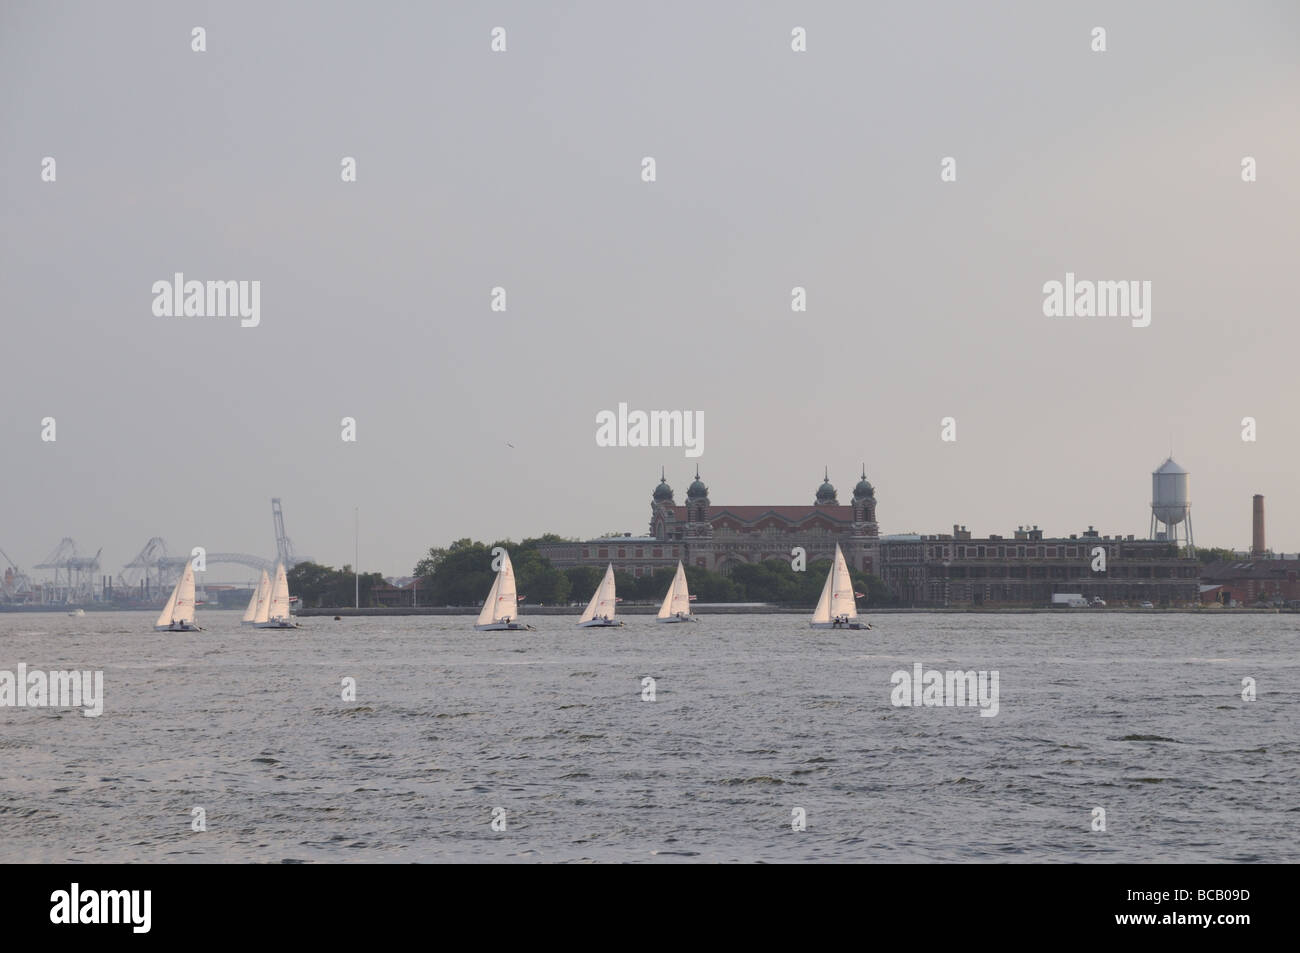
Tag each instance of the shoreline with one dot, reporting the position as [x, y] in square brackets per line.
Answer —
[701, 610]
[704, 610]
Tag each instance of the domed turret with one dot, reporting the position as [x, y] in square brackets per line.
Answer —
[663, 492]
[826, 492]
[864, 489]
[697, 490]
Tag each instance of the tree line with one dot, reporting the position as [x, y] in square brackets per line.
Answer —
[461, 575]
[316, 585]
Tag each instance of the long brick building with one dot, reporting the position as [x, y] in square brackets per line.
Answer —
[719, 538]
[935, 571]
[1027, 568]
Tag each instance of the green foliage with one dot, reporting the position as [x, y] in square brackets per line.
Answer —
[1211, 555]
[318, 586]
[585, 579]
[462, 575]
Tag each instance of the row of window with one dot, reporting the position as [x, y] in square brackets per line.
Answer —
[1069, 572]
[656, 552]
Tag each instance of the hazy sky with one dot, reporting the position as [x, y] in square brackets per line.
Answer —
[522, 170]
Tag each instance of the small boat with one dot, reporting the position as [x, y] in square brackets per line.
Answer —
[502, 603]
[677, 604]
[838, 608]
[601, 609]
[77, 613]
[178, 614]
[277, 609]
[259, 603]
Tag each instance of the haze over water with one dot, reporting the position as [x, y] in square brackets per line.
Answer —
[754, 716]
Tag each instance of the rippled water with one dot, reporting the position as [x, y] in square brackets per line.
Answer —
[754, 716]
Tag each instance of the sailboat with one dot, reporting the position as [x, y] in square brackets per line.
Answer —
[502, 603]
[838, 608]
[600, 610]
[277, 608]
[677, 604]
[259, 604]
[178, 614]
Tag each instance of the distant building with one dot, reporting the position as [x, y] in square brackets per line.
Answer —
[926, 571]
[396, 592]
[1253, 579]
[945, 571]
[720, 538]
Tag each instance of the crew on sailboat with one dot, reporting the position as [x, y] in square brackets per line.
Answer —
[601, 610]
[677, 603]
[275, 614]
[178, 614]
[837, 607]
[502, 602]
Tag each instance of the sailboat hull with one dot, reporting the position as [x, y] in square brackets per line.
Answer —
[672, 618]
[600, 624]
[178, 627]
[840, 625]
[504, 627]
[276, 624]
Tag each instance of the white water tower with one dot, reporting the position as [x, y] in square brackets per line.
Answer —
[1171, 504]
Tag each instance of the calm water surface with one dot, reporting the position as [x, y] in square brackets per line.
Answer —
[754, 716]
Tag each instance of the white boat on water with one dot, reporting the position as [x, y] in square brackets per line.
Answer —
[838, 608]
[601, 609]
[77, 613]
[178, 614]
[501, 607]
[677, 604]
[259, 604]
[277, 608]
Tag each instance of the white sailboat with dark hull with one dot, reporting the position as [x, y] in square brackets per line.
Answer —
[178, 614]
[601, 609]
[277, 608]
[677, 603]
[259, 604]
[501, 608]
[838, 608]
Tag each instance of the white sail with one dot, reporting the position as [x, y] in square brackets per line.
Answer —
[502, 602]
[843, 604]
[822, 614]
[837, 603]
[263, 600]
[257, 600]
[165, 617]
[278, 609]
[183, 611]
[603, 602]
[678, 600]
[180, 607]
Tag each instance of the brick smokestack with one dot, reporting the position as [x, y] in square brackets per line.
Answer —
[1257, 527]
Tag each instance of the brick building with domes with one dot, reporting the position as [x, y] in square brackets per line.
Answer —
[721, 537]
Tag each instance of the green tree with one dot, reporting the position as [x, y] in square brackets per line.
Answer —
[429, 564]
[324, 586]
[1210, 555]
[583, 581]
[309, 582]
